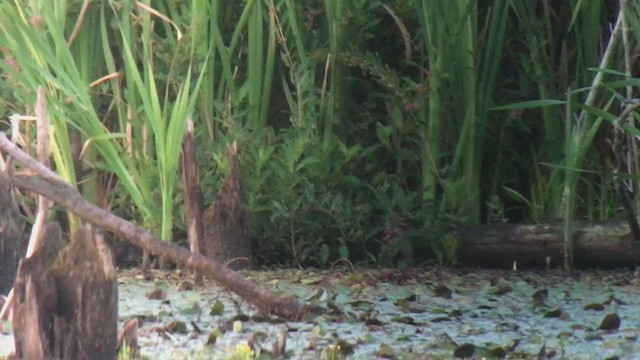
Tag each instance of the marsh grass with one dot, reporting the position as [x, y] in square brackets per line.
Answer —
[354, 119]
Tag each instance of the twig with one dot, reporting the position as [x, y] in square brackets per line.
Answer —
[29, 162]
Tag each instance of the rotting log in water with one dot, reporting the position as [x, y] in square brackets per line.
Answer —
[596, 245]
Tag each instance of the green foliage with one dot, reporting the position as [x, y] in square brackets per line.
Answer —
[311, 205]
[126, 353]
[302, 199]
[52, 60]
[367, 129]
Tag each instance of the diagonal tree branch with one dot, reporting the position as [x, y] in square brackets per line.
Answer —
[50, 185]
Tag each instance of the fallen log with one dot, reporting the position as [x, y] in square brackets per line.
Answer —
[596, 245]
[51, 186]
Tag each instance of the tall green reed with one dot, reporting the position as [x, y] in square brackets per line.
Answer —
[558, 57]
[461, 78]
[33, 34]
[237, 81]
[583, 117]
[45, 57]
[333, 98]
[165, 116]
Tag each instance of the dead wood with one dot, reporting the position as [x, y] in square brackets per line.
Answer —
[193, 202]
[225, 237]
[604, 245]
[66, 303]
[50, 185]
[129, 337]
[13, 237]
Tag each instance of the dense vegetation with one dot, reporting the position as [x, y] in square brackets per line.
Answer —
[367, 130]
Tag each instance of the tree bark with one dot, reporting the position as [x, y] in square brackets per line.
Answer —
[193, 202]
[13, 237]
[66, 302]
[225, 238]
[599, 245]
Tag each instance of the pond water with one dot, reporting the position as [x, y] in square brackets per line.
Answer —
[407, 314]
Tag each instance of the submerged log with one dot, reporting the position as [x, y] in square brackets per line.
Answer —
[66, 303]
[596, 245]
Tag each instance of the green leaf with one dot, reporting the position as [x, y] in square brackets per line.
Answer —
[569, 168]
[597, 112]
[530, 104]
[217, 309]
[513, 194]
[607, 71]
[383, 133]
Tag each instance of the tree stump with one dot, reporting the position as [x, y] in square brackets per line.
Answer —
[66, 304]
[13, 237]
[225, 237]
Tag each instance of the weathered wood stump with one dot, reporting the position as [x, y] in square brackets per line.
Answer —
[225, 238]
[604, 245]
[193, 200]
[13, 237]
[66, 304]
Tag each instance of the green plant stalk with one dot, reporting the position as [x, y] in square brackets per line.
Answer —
[578, 142]
[127, 104]
[585, 23]
[432, 132]
[572, 143]
[541, 61]
[488, 71]
[261, 63]
[45, 58]
[167, 122]
[255, 59]
[297, 34]
[331, 104]
[88, 58]
[633, 16]
[228, 86]
[298, 89]
[60, 145]
[205, 15]
[267, 84]
[629, 21]
[450, 35]
[468, 153]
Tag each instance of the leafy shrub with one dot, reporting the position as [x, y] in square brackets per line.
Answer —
[311, 204]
